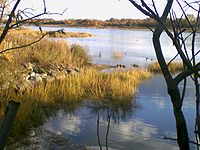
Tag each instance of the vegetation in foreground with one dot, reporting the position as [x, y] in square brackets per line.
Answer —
[38, 103]
[174, 67]
[43, 100]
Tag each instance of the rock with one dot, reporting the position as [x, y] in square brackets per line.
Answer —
[60, 68]
[120, 66]
[49, 72]
[33, 78]
[38, 70]
[59, 133]
[38, 78]
[32, 74]
[134, 65]
[32, 133]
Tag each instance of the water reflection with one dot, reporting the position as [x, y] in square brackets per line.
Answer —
[110, 110]
[107, 125]
[64, 123]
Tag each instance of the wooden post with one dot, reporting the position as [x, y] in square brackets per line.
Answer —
[7, 122]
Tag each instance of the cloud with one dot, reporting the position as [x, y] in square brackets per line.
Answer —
[68, 124]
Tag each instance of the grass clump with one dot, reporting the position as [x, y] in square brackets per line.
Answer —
[173, 67]
[117, 54]
[46, 53]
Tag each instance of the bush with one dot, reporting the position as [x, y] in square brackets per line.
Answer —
[80, 54]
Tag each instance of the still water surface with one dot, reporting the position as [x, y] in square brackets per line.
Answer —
[133, 45]
[140, 127]
[143, 122]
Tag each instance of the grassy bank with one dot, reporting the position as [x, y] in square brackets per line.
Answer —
[173, 67]
[44, 99]
[37, 104]
[35, 33]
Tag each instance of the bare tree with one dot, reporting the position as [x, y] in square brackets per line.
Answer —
[16, 18]
[3, 8]
[178, 35]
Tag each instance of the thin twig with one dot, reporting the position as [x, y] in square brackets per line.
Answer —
[172, 59]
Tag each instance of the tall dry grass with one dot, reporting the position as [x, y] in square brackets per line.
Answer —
[46, 53]
[173, 67]
[90, 83]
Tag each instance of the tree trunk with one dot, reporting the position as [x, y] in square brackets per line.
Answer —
[181, 127]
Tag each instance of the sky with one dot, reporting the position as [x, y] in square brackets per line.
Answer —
[90, 9]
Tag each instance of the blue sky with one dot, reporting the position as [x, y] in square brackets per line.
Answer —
[92, 9]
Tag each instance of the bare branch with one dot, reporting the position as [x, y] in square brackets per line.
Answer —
[172, 59]
[190, 5]
[149, 9]
[23, 46]
[141, 9]
[45, 9]
[6, 28]
[58, 13]
[184, 89]
[155, 9]
[180, 77]
[185, 15]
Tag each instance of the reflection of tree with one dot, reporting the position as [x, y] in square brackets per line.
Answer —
[111, 110]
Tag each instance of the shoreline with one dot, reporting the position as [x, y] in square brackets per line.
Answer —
[91, 27]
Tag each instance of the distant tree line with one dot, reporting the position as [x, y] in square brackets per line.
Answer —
[121, 23]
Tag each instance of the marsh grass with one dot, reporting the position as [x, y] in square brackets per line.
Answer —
[35, 33]
[39, 103]
[117, 54]
[174, 67]
[46, 53]
[70, 34]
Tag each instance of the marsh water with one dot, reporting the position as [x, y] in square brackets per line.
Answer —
[139, 124]
[133, 46]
